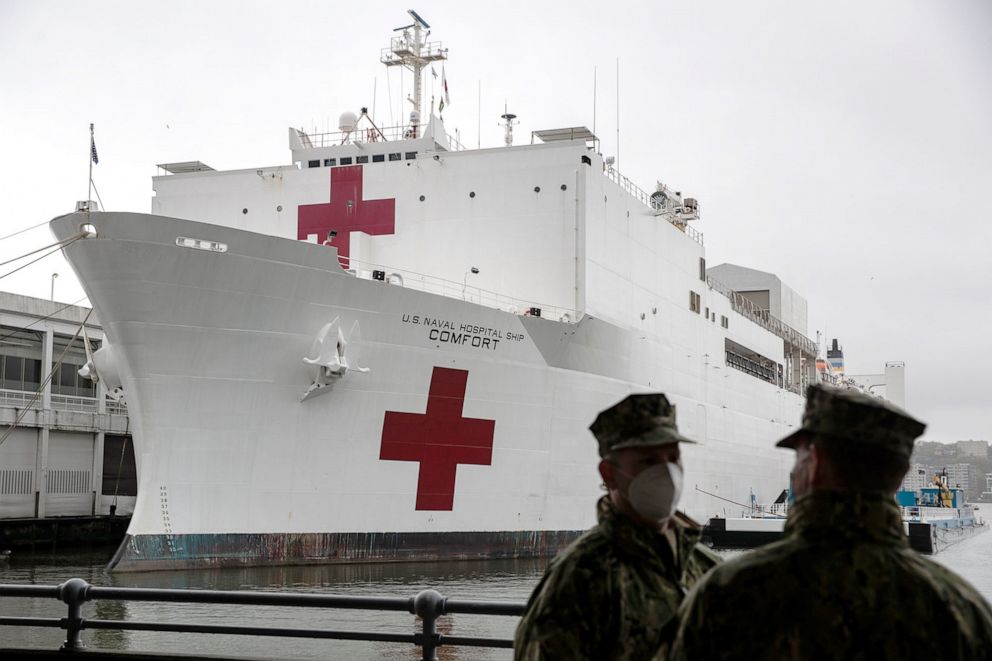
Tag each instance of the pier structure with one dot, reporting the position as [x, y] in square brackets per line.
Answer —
[66, 453]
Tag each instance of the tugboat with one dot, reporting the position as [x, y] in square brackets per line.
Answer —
[937, 516]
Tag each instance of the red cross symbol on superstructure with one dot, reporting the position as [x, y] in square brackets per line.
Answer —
[439, 439]
[346, 212]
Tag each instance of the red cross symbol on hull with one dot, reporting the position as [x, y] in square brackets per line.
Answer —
[346, 212]
[439, 439]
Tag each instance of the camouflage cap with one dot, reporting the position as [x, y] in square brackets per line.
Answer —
[855, 416]
[637, 421]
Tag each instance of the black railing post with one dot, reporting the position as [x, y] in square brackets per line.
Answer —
[73, 593]
[427, 605]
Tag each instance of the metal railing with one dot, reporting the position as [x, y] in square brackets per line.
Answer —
[744, 306]
[370, 135]
[459, 290]
[427, 605]
[76, 403]
[635, 191]
[19, 398]
[429, 50]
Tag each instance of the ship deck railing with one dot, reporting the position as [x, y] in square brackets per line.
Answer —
[74, 403]
[638, 193]
[745, 307]
[370, 135]
[427, 606]
[457, 290]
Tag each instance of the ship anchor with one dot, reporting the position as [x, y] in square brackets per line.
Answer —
[327, 355]
[101, 365]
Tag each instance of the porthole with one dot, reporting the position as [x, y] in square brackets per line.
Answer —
[472, 194]
[422, 198]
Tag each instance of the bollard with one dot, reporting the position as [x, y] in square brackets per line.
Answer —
[73, 592]
[428, 604]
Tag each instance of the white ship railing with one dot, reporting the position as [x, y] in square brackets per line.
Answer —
[457, 290]
[635, 191]
[370, 135]
[399, 46]
[358, 136]
[742, 305]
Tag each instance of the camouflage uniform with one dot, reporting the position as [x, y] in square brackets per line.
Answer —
[843, 582]
[613, 593]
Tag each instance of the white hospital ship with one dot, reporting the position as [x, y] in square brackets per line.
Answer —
[391, 347]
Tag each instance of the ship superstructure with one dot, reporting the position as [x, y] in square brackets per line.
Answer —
[391, 347]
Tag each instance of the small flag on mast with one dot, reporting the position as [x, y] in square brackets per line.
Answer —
[434, 73]
[93, 156]
[444, 84]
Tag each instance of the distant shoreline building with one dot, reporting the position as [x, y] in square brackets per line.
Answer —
[972, 449]
[69, 453]
[917, 477]
[962, 475]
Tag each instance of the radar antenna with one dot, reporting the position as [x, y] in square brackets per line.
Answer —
[413, 51]
[508, 125]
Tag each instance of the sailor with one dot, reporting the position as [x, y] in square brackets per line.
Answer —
[843, 582]
[613, 593]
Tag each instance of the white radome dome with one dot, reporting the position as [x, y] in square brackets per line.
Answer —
[347, 122]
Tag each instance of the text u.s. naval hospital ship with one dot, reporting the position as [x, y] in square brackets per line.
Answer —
[391, 348]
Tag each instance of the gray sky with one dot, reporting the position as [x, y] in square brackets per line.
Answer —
[845, 146]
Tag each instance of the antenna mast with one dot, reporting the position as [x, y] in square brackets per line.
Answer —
[414, 52]
[508, 118]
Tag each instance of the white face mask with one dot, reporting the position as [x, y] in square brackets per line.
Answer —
[656, 490]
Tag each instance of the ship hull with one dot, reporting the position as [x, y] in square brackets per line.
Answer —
[167, 552]
[467, 437]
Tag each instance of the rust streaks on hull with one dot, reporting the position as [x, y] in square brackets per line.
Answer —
[158, 552]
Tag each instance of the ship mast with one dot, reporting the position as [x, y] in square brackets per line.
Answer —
[413, 51]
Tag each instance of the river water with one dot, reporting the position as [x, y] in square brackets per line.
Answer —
[492, 580]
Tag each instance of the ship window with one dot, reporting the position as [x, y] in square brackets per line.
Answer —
[378, 158]
[329, 162]
[707, 313]
[694, 302]
[410, 155]
[313, 164]
[361, 159]
[395, 157]
[702, 269]
[345, 160]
